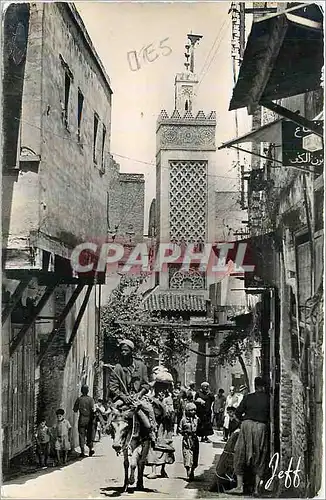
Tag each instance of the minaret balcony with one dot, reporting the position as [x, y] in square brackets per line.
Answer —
[189, 132]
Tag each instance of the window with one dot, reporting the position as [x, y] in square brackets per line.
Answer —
[298, 304]
[103, 146]
[108, 210]
[304, 273]
[192, 279]
[68, 79]
[79, 114]
[295, 338]
[95, 137]
[319, 210]
[67, 92]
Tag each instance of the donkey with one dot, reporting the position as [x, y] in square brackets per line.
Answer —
[124, 428]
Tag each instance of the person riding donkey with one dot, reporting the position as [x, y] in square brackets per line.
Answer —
[129, 385]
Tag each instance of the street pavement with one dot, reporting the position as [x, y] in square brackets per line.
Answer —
[101, 476]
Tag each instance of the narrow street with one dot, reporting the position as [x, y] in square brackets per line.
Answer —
[102, 476]
[163, 247]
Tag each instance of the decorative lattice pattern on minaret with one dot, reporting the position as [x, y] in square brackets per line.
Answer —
[191, 279]
[188, 201]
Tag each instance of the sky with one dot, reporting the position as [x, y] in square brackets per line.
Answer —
[117, 29]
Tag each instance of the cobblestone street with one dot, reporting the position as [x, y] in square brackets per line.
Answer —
[102, 476]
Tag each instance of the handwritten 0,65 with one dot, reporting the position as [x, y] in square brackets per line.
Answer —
[148, 54]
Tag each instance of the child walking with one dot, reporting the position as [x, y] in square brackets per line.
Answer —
[43, 443]
[233, 421]
[190, 442]
[62, 436]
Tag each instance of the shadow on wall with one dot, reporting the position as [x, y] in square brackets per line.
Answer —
[16, 25]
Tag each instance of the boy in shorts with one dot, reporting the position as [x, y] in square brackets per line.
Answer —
[62, 436]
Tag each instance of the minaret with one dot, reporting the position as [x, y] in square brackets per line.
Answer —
[186, 82]
[185, 204]
[185, 167]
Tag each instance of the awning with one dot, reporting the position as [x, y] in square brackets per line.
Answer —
[175, 302]
[284, 56]
[271, 132]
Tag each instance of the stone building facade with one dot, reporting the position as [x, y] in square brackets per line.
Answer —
[125, 218]
[289, 190]
[126, 201]
[228, 298]
[56, 127]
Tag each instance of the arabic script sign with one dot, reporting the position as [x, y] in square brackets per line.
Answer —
[300, 147]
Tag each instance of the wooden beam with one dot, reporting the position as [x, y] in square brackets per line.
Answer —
[45, 277]
[256, 154]
[80, 316]
[21, 274]
[294, 117]
[14, 299]
[59, 321]
[260, 10]
[38, 308]
[190, 326]
[302, 169]
[274, 9]
[303, 21]
[69, 280]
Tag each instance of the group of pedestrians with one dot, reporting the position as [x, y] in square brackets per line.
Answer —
[165, 410]
[57, 439]
[225, 406]
[203, 400]
[212, 410]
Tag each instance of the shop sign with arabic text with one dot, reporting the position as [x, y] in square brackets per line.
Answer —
[301, 147]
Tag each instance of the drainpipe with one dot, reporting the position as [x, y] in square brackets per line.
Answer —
[272, 364]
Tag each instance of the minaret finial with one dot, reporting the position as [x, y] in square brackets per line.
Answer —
[190, 51]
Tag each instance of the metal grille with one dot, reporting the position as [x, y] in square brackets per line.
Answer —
[188, 201]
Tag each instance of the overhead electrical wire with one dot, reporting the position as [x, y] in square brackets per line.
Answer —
[214, 54]
[211, 49]
[112, 153]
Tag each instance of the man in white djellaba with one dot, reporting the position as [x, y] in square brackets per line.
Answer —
[233, 399]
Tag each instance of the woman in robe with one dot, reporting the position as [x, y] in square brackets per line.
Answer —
[163, 452]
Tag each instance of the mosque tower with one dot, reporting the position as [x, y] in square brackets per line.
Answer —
[185, 204]
[185, 168]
